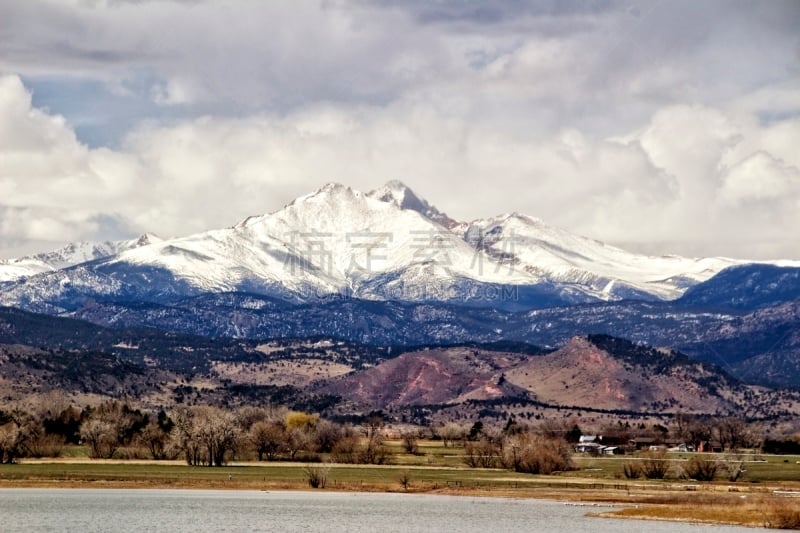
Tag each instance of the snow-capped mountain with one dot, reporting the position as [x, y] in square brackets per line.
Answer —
[333, 242]
[607, 272]
[397, 193]
[69, 255]
[387, 244]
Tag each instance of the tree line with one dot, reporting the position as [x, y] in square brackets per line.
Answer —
[212, 436]
[201, 435]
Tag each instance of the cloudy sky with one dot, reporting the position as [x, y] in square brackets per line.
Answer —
[664, 127]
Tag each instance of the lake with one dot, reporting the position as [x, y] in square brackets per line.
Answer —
[90, 510]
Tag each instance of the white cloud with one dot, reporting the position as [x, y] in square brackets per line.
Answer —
[175, 92]
[666, 127]
[670, 182]
[760, 178]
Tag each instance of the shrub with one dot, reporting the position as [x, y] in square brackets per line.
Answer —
[732, 467]
[354, 450]
[701, 468]
[482, 454]
[372, 453]
[535, 454]
[655, 465]
[317, 476]
[632, 470]
[42, 445]
[405, 479]
[346, 450]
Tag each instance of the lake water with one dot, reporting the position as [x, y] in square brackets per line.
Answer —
[89, 510]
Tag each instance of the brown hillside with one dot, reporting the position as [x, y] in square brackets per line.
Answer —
[435, 376]
[581, 374]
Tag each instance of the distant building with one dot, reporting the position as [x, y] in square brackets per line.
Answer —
[613, 450]
[589, 447]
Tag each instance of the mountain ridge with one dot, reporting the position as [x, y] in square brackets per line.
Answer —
[388, 244]
[69, 255]
[593, 374]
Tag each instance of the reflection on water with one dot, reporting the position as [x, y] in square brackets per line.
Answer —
[88, 510]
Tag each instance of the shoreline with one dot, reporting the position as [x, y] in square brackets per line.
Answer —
[721, 503]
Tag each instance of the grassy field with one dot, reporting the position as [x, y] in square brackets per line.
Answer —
[758, 469]
[262, 476]
[762, 496]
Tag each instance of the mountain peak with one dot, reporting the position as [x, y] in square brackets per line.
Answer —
[398, 193]
[332, 186]
[145, 239]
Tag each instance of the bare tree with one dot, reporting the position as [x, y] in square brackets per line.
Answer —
[452, 433]
[327, 434]
[34, 439]
[553, 428]
[732, 433]
[410, 441]
[632, 469]
[248, 416]
[680, 426]
[347, 450]
[155, 439]
[297, 440]
[482, 453]
[185, 436]
[101, 436]
[9, 442]
[373, 451]
[405, 479]
[692, 429]
[268, 439]
[111, 425]
[218, 432]
[368, 448]
[206, 435]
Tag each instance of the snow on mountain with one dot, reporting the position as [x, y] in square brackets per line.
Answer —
[608, 272]
[70, 255]
[388, 244]
[399, 194]
[332, 241]
[549, 253]
[13, 269]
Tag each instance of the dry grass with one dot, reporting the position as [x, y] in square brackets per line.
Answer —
[296, 372]
[782, 515]
[750, 510]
